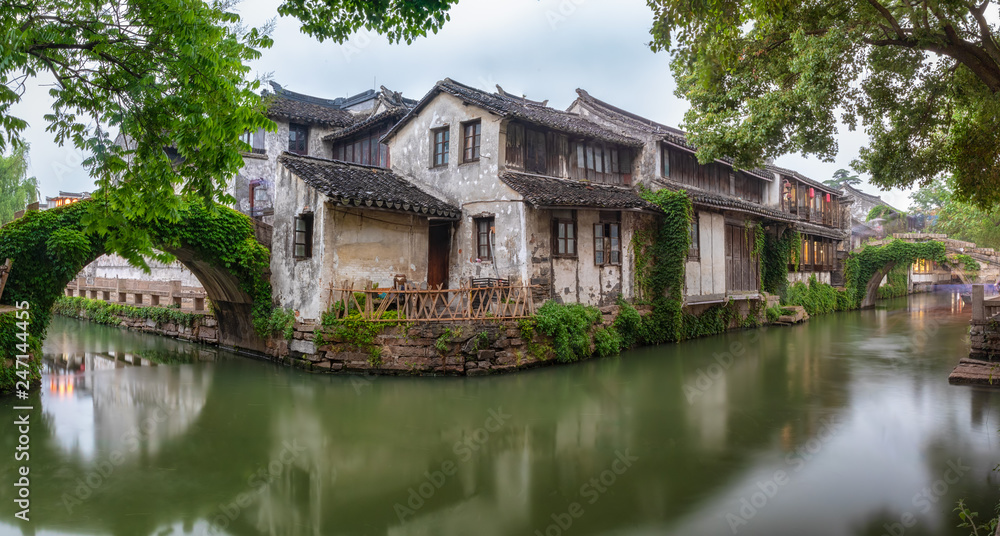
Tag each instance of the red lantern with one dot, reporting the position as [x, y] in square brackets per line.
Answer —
[812, 193]
[827, 198]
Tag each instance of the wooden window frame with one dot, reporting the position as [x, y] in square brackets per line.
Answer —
[254, 210]
[665, 162]
[570, 253]
[444, 144]
[255, 140]
[480, 236]
[302, 237]
[304, 130]
[606, 234]
[472, 143]
[694, 251]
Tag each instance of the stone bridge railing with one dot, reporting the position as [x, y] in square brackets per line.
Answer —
[142, 293]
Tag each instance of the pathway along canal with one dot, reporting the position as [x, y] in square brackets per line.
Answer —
[845, 425]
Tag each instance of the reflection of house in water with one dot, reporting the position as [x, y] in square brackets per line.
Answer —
[95, 413]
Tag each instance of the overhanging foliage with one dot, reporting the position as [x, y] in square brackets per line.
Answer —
[862, 265]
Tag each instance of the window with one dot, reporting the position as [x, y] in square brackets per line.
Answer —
[471, 140]
[565, 238]
[484, 242]
[665, 163]
[441, 147]
[255, 140]
[260, 200]
[694, 252]
[298, 136]
[607, 241]
[303, 236]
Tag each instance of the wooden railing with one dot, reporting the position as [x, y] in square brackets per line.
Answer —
[445, 305]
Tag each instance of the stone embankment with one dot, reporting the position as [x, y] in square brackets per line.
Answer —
[202, 329]
[982, 367]
[453, 349]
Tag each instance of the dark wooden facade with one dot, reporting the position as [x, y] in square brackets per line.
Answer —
[534, 149]
[810, 203]
[742, 266]
[683, 167]
[364, 148]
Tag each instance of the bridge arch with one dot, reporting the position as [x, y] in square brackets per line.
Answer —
[49, 249]
[866, 268]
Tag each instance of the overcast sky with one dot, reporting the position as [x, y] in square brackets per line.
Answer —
[543, 49]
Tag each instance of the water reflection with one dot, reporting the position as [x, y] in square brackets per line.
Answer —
[853, 409]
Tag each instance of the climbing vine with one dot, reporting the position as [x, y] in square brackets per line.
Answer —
[862, 265]
[897, 283]
[665, 272]
[777, 255]
[968, 264]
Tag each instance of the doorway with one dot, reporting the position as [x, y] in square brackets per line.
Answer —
[438, 249]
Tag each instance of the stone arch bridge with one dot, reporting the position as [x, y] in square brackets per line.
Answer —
[987, 258]
[223, 248]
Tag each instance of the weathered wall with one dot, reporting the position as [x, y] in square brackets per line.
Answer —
[296, 283]
[580, 279]
[707, 276]
[264, 166]
[473, 186]
[115, 267]
[795, 277]
[369, 245]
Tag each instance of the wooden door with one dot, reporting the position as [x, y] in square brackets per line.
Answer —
[438, 249]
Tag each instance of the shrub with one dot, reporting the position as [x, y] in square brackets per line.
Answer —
[607, 341]
[569, 326]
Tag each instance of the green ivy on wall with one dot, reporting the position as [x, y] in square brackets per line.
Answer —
[897, 283]
[778, 253]
[665, 271]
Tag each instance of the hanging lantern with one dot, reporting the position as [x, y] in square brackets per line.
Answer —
[827, 198]
[812, 193]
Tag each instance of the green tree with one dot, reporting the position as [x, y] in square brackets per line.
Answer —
[398, 20]
[158, 73]
[766, 78]
[842, 177]
[17, 189]
[930, 197]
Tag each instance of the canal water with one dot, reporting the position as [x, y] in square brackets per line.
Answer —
[845, 425]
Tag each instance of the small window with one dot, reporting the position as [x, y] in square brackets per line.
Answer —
[694, 252]
[260, 199]
[303, 236]
[298, 137]
[255, 140]
[441, 146]
[665, 163]
[484, 238]
[564, 238]
[472, 139]
[607, 243]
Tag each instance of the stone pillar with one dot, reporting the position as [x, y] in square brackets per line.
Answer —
[978, 305]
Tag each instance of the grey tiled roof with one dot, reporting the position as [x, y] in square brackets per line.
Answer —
[727, 202]
[301, 111]
[525, 110]
[544, 191]
[669, 134]
[393, 114]
[365, 186]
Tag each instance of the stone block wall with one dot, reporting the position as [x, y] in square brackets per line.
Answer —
[452, 349]
[985, 340]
